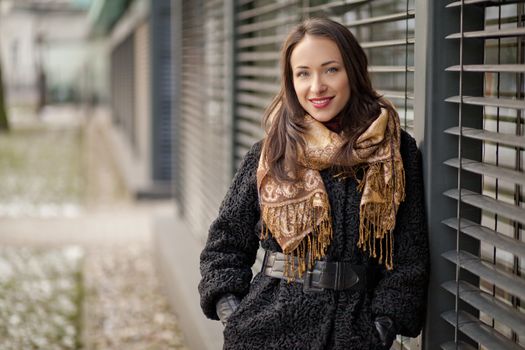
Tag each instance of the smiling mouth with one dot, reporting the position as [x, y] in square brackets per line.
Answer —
[321, 102]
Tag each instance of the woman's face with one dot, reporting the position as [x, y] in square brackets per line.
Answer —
[319, 77]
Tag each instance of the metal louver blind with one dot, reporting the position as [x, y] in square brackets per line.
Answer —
[217, 92]
[489, 314]
[260, 28]
[192, 111]
[204, 147]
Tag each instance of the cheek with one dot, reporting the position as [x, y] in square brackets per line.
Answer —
[296, 86]
[299, 91]
[345, 88]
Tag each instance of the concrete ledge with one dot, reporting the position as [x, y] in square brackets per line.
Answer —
[131, 169]
[177, 258]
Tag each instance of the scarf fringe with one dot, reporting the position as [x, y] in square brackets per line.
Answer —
[377, 220]
[301, 255]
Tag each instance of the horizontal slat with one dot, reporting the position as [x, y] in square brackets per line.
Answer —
[390, 69]
[381, 19]
[489, 101]
[502, 138]
[257, 56]
[460, 346]
[246, 139]
[513, 284]
[488, 34]
[488, 235]
[249, 113]
[249, 125]
[243, 2]
[387, 43]
[396, 94]
[480, 168]
[213, 4]
[252, 99]
[337, 6]
[254, 85]
[261, 40]
[272, 23]
[484, 2]
[244, 128]
[493, 205]
[240, 150]
[258, 71]
[261, 10]
[479, 332]
[489, 305]
[504, 68]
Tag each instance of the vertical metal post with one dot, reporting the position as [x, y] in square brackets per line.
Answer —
[229, 98]
[176, 39]
[518, 198]
[421, 32]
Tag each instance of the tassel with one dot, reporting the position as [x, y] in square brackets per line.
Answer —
[377, 219]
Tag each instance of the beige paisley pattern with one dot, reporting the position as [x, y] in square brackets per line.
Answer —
[297, 213]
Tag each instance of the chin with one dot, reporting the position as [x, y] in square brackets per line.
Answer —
[323, 118]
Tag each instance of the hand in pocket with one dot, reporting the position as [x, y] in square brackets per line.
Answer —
[226, 306]
[386, 329]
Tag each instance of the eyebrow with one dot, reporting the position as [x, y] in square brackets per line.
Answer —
[322, 65]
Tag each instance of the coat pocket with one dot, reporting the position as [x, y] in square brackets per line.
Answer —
[251, 301]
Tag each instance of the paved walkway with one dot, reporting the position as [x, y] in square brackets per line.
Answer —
[59, 194]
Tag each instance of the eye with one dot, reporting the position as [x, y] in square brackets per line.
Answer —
[302, 74]
[332, 70]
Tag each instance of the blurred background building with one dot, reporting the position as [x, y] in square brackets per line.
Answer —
[185, 83]
[99, 53]
[37, 51]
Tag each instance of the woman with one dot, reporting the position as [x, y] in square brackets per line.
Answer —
[346, 263]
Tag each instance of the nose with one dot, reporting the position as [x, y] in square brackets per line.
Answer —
[318, 85]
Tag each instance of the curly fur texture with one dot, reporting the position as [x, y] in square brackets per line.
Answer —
[275, 314]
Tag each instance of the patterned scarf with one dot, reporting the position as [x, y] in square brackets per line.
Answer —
[297, 214]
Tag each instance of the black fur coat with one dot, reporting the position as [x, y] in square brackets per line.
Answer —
[275, 314]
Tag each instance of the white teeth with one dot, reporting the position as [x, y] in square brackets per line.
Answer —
[318, 102]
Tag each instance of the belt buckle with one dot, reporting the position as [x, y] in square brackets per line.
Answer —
[307, 283]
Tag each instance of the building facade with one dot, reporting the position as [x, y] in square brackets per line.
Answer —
[134, 39]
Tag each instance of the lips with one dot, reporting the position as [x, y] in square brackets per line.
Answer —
[321, 102]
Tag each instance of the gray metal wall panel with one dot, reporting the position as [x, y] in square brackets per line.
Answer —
[162, 89]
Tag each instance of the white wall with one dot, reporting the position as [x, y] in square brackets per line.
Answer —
[18, 55]
[62, 51]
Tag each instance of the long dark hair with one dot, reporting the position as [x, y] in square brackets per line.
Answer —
[284, 118]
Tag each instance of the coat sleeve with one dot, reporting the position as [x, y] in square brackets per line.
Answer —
[231, 247]
[401, 292]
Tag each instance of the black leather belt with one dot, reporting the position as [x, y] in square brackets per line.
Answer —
[322, 275]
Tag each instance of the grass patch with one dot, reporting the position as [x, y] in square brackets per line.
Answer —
[39, 165]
